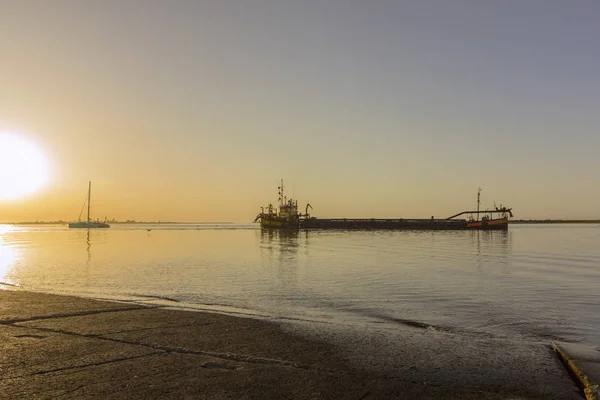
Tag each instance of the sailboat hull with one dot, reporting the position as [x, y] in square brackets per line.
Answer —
[89, 225]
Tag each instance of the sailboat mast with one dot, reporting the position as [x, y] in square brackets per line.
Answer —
[89, 199]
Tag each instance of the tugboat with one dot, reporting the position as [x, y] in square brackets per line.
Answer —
[487, 221]
[284, 216]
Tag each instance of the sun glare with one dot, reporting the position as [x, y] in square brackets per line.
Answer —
[23, 168]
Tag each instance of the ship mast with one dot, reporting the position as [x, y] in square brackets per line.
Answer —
[478, 201]
[89, 199]
[281, 194]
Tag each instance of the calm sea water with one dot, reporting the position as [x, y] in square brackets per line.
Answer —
[532, 282]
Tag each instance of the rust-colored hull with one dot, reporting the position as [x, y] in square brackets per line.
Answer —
[500, 223]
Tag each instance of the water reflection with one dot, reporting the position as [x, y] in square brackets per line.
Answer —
[286, 242]
[282, 247]
[5, 228]
[491, 247]
[89, 248]
[9, 256]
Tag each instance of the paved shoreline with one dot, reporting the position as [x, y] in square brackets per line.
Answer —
[70, 347]
[584, 364]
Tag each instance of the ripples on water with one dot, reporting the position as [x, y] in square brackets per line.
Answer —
[534, 281]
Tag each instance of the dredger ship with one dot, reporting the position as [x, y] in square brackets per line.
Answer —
[286, 216]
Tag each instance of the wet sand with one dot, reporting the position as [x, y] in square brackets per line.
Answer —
[68, 347]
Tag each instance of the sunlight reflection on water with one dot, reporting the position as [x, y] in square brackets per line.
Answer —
[8, 258]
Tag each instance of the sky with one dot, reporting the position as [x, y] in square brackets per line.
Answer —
[194, 110]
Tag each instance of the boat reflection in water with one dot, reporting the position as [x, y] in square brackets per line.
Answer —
[491, 248]
[280, 252]
[285, 241]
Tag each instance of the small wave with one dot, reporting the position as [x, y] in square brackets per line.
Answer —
[413, 323]
[153, 297]
[402, 321]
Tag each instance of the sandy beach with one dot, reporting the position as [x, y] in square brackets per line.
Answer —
[68, 347]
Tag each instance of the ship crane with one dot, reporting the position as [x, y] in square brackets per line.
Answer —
[306, 210]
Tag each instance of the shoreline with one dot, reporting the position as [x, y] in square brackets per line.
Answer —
[85, 348]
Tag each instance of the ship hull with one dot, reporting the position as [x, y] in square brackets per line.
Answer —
[492, 224]
[88, 225]
[278, 223]
[383, 224]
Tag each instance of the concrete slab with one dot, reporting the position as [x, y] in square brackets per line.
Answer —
[25, 352]
[179, 376]
[199, 332]
[53, 346]
[20, 306]
[584, 363]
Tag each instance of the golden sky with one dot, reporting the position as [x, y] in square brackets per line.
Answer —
[193, 111]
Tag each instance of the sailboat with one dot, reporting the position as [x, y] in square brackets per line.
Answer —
[89, 223]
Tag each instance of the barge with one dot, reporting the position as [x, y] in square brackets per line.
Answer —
[287, 216]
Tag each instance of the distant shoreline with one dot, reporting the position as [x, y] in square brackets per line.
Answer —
[119, 223]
